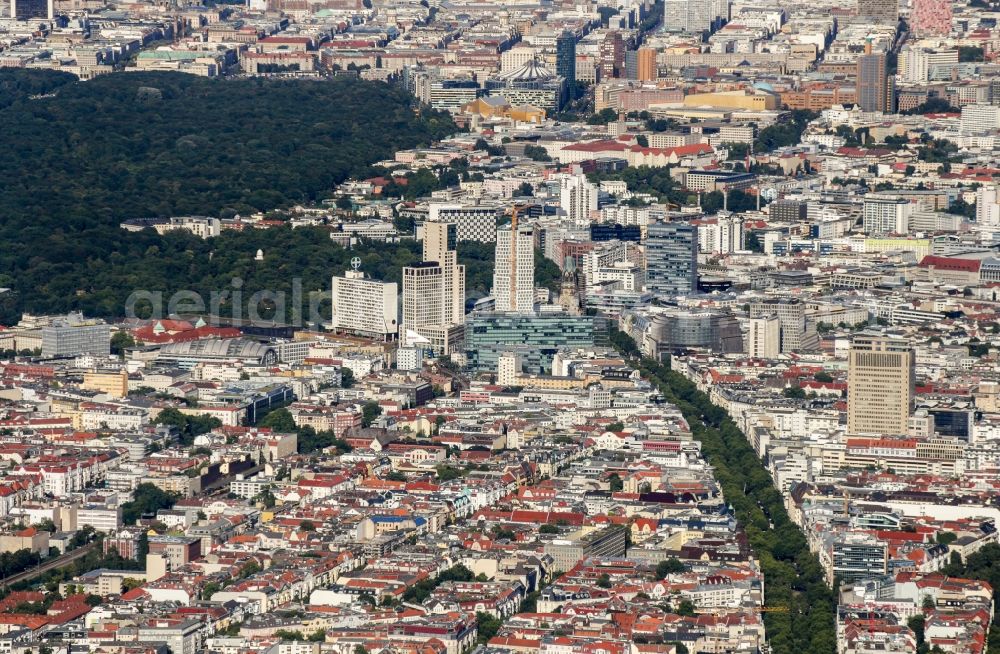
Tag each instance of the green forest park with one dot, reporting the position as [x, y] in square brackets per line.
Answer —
[86, 155]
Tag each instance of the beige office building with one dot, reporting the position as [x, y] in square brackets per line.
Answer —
[764, 337]
[112, 382]
[880, 383]
[434, 293]
[797, 331]
[514, 270]
[646, 64]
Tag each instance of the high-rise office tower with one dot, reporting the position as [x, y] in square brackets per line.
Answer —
[72, 335]
[930, 17]
[439, 240]
[880, 381]
[797, 332]
[566, 60]
[29, 9]
[876, 89]
[886, 214]
[722, 234]
[439, 247]
[577, 197]
[988, 205]
[918, 65]
[514, 269]
[764, 337]
[694, 16]
[979, 119]
[672, 258]
[646, 65]
[631, 64]
[884, 12]
[423, 301]
[612, 56]
[473, 222]
[434, 292]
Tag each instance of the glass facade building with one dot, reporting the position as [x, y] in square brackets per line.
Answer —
[536, 338]
[672, 258]
[858, 558]
[615, 232]
[662, 330]
[566, 60]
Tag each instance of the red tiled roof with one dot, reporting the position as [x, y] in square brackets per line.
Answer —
[950, 263]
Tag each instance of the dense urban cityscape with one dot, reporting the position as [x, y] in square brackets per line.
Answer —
[468, 327]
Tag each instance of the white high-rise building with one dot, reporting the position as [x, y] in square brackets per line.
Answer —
[979, 119]
[364, 306]
[514, 270]
[919, 65]
[731, 234]
[988, 206]
[693, 16]
[508, 368]
[721, 235]
[764, 337]
[887, 214]
[434, 292]
[410, 358]
[577, 197]
[439, 245]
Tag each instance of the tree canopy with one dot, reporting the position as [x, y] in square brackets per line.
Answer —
[784, 133]
[280, 420]
[188, 426]
[150, 145]
[147, 498]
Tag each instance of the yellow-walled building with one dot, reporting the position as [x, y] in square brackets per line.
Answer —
[495, 107]
[745, 100]
[112, 382]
